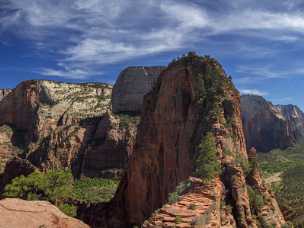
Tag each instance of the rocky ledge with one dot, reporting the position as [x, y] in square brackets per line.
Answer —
[30, 214]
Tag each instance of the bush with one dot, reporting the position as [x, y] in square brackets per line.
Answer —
[256, 199]
[53, 186]
[180, 189]
[207, 163]
[59, 188]
[94, 190]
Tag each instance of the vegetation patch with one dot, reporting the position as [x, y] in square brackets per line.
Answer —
[207, 163]
[181, 188]
[59, 188]
[126, 120]
[289, 190]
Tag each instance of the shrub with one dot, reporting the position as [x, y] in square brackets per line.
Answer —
[53, 186]
[179, 190]
[59, 188]
[192, 206]
[207, 163]
[94, 190]
[256, 199]
[178, 219]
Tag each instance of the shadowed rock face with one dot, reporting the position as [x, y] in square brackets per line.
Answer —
[131, 86]
[192, 98]
[268, 126]
[62, 125]
[21, 213]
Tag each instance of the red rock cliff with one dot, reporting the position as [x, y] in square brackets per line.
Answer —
[193, 97]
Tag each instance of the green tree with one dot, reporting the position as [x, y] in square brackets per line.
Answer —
[207, 163]
[54, 186]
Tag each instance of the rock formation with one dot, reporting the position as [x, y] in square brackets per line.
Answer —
[110, 146]
[268, 126]
[4, 93]
[192, 100]
[63, 125]
[131, 86]
[30, 214]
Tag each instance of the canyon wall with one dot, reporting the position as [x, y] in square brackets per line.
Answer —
[268, 126]
[63, 125]
[131, 86]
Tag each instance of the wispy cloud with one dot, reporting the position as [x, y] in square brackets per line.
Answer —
[253, 92]
[270, 72]
[66, 73]
[92, 33]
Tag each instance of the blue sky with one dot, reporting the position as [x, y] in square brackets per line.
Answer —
[259, 43]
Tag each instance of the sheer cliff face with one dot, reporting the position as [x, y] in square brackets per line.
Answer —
[55, 125]
[269, 126]
[193, 97]
[131, 86]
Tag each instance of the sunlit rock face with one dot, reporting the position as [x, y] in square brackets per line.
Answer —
[21, 213]
[268, 126]
[131, 86]
[63, 125]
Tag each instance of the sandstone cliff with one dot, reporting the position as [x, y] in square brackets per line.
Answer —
[4, 93]
[192, 99]
[268, 126]
[30, 214]
[62, 125]
[131, 86]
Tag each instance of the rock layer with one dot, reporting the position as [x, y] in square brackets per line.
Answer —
[268, 126]
[33, 214]
[131, 86]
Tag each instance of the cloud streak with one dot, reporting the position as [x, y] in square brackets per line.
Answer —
[92, 33]
[253, 92]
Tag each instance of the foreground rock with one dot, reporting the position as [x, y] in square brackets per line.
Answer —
[192, 98]
[131, 86]
[268, 126]
[34, 214]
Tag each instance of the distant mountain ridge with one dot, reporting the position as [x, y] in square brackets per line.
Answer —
[268, 126]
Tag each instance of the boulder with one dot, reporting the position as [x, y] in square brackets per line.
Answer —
[34, 214]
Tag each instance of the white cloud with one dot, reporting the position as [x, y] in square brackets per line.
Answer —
[270, 72]
[91, 33]
[66, 73]
[253, 92]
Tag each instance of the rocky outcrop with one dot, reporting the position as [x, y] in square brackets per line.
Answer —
[268, 126]
[7, 148]
[33, 214]
[63, 125]
[131, 86]
[4, 93]
[112, 143]
[200, 207]
[192, 100]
